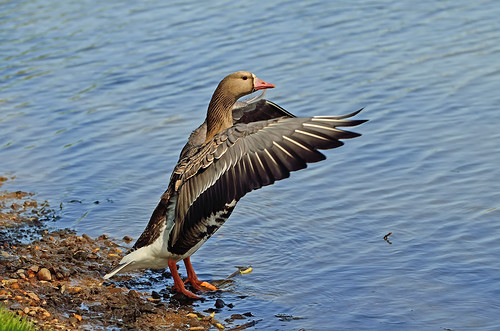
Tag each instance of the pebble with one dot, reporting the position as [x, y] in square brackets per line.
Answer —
[80, 255]
[127, 239]
[76, 289]
[219, 303]
[44, 274]
[132, 294]
[155, 295]
[33, 296]
[35, 268]
[5, 254]
[8, 281]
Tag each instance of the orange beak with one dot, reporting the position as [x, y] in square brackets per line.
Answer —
[260, 84]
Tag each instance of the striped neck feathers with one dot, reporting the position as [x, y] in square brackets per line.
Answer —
[220, 113]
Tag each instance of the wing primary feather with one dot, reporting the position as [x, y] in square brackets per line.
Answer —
[281, 171]
[261, 170]
[291, 162]
[340, 117]
[306, 153]
[330, 132]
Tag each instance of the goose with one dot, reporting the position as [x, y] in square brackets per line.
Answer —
[240, 147]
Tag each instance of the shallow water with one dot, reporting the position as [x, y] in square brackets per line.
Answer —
[97, 98]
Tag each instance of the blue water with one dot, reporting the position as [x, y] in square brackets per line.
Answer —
[97, 99]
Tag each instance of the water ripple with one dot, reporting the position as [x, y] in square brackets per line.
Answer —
[97, 98]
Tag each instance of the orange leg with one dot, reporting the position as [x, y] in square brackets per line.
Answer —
[193, 279]
[178, 284]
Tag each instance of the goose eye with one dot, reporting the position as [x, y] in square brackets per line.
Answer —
[245, 77]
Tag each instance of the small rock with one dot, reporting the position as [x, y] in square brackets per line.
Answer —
[4, 254]
[33, 296]
[153, 300]
[74, 290]
[15, 286]
[80, 255]
[155, 295]
[146, 308]
[35, 268]
[44, 274]
[9, 281]
[219, 303]
[127, 239]
[4, 297]
[132, 294]
[86, 237]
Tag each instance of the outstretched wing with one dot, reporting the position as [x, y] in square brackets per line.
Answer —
[246, 157]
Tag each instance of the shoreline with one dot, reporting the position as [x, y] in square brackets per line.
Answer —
[54, 278]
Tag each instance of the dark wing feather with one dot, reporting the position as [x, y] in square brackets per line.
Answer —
[259, 110]
[156, 222]
[246, 157]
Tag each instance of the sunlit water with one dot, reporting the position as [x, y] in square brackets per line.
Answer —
[97, 99]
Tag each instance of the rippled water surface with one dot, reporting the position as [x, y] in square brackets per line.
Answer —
[97, 99]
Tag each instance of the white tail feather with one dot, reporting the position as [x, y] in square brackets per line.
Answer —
[117, 269]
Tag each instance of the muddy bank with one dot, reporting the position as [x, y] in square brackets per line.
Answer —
[55, 278]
